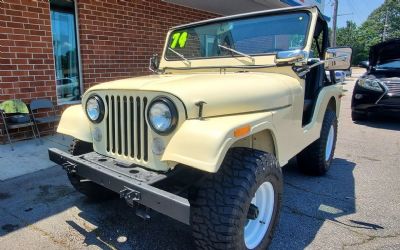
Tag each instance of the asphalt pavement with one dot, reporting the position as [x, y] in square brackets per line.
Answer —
[355, 206]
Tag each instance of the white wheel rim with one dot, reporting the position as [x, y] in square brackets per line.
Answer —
[255, 230]
[329, 143]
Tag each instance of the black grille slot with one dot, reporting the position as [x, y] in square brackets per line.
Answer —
[119, 125]
[132, 128]
[145, 134]
[112, 123]
[139, 147]
[125, 125]
[108, 125]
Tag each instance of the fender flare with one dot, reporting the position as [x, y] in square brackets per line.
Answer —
[202, 144]
[75, 123]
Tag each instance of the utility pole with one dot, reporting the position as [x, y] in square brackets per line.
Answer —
[385, 26]
[334, 28]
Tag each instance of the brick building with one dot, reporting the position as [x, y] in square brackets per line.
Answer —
[57, 49]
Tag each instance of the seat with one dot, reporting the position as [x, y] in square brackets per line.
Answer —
[307, 105]
[51, 117]
[15, 114]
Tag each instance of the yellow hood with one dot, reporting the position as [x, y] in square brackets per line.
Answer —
[224, 94]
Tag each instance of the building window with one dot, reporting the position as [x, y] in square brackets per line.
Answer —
[66, 59]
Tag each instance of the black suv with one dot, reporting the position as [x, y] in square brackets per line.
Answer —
[379, 89]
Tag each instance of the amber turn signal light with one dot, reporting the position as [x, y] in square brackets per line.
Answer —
[242, 131]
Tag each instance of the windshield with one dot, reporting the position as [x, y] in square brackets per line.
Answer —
[395, 64]
[250, 36]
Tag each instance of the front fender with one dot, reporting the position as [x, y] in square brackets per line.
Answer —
[202, 144]
[75, 123]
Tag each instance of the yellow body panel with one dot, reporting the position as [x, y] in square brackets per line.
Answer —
[226, 93]
[202, 144]
[208, 140]
[270, 100]
[135, 149]
[75, 123]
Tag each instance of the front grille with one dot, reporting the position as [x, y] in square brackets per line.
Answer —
[393, 87]
[127, 131]
[390, 101]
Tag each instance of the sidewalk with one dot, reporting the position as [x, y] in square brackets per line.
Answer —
[29, 156]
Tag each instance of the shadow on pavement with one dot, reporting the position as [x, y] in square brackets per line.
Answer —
[382, 121]
[311, 201]
[49, 204]
[120, 228]
[308, 202]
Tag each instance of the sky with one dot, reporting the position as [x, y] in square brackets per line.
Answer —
[355, 10]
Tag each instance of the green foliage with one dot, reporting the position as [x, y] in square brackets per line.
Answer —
[371, 31]
[14, 106]
[349, 36]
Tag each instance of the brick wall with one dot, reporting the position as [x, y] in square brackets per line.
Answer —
[117, 38]
[27, 67]
[26, 61]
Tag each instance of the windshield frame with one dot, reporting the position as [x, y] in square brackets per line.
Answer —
[219, 20]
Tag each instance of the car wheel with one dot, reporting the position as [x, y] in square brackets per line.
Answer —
[92, 190]
[358, 116]
[238, 207]
[317, 157]
[76, 92]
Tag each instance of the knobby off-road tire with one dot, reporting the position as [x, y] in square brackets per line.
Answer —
[317, 157]
[220, 206]
[92, 190]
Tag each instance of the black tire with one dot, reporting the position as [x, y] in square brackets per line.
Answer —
[76, 92]
[358, 116]
[219, 207]
[312, 160]
[92, 190]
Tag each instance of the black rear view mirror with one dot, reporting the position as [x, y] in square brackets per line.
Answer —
[154, 63]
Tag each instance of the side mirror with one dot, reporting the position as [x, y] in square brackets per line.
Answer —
[338, 58]
[364, 64]
[154, 63]
[289, 56]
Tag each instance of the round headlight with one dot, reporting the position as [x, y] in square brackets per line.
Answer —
[95, 109]
[162, 115]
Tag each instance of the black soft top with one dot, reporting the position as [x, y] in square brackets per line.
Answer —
[255, 13]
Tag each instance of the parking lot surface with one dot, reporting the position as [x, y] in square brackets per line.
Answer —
[355, 206]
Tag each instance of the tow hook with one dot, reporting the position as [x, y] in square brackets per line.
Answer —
[130, 196]
[69, 167]
[253, 212]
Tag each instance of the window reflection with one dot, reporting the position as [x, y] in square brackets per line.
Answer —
[65, 52]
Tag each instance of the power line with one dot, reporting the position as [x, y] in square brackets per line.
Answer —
[351, 7]
[346, 14]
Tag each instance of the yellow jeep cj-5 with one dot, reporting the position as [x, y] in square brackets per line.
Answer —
[202, 139]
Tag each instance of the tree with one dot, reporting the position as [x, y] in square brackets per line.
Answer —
[371, 31]
[349, 36]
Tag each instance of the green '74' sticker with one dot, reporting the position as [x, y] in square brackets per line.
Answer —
[179, 39]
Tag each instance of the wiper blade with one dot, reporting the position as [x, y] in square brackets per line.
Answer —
[237, 52]
[180, 55]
